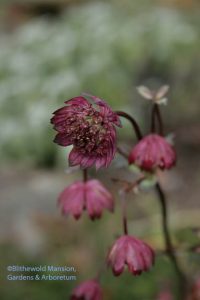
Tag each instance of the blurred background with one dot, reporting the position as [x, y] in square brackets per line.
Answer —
[52, 50]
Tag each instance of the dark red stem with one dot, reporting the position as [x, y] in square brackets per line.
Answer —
[122, 153]
[125, 225]
[85, 175]
[168, 242]
[124, 217]
[156, 115]
[133, 122]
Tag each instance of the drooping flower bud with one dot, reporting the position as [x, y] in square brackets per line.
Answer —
[127, 250]
[88, 290]
[165, 295]
[151, 152]
[90, 195]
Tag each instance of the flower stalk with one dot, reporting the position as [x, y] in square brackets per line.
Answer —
[85, 175]
[156, 115]
[124, 216]
[168, 243]
[133, 123]
[169, 249]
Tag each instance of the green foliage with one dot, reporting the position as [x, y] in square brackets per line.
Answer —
[126, 286]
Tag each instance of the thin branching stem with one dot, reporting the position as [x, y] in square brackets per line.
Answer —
[122, 152]
[85, 175]
[168, 242]
[133, 122]
[124, 216]
[156, 115]
[169, 249]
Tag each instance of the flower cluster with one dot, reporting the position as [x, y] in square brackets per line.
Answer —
[88, 124]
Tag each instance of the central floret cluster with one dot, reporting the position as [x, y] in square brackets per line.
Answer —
[89, 127]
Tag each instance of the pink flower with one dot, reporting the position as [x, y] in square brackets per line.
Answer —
[127, 250]
[195, 291]
[165, 295]
[88, 290]
[152, 152]
[90, 195]
[89, 128]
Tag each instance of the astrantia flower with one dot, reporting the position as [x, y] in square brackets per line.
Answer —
[88, 290]
[90, 128]
[127, 250]
[165, 295]
[152, 152]
[90, 195]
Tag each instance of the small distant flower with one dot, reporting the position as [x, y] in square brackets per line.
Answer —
[127, 250]
[88, 290]
[90, 195]
[90, 128]
[158, 96]
[152, 152]
[195, 292]
[165, 295]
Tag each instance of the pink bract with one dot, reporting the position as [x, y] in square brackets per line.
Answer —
[165, 295]
[127, 250]
[152, 152]
[88, 290]
[90, 195]
[90, 128]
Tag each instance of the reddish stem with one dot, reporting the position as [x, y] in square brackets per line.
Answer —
[156, 115]
[122, 153]
[124, 217]
[133, 122]
[168, 243]
[85, 175]
[162, 199]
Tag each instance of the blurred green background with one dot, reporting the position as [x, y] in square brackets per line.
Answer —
[53, 50]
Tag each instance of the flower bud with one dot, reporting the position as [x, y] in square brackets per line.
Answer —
[151, 152]
[127, 250]
[90, 195]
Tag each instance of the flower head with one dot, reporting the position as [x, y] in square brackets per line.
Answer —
[165, 295]
[90, 195]
[89, 127]
[134, 253]
[88, 290]
[152, 152]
